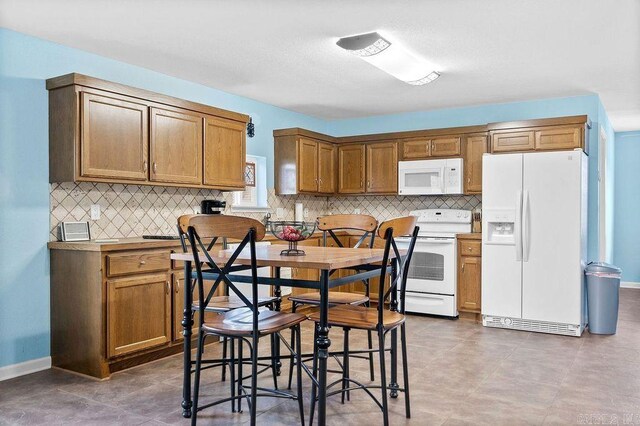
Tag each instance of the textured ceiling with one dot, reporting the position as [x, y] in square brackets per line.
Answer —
[284, 53]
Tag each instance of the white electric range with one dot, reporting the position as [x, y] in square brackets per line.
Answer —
[432, 278]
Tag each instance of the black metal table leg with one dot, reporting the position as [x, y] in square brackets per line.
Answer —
[323, 342]
[277, 292]
[187, 325]
[393, 384]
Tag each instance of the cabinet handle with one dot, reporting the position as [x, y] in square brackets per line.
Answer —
[155, 167]
[361, 183]
[168, 287]
[463, 266]
[177, 286]
[468, 180]
[433, 146]
[145, 166]
[469, 248]
[143, 262]
[368, 184]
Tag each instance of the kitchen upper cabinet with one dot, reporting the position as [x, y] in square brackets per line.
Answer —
[382, 167]
[351, 169]
[101, 131]
[326, 168]
[475, 147]
[114, 138]
[416, 149]
[175, 147]
[512, 141]
[560, 137]
[138, 313]
[469, 274]
[308, 165]
[447, 146]
[305, 162]
[224, 153]
[549, 134]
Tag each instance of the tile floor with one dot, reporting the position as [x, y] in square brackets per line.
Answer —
[461, 373]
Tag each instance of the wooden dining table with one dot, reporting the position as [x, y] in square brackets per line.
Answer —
[324, 259]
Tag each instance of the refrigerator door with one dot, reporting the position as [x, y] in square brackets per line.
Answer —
[501, 232]
[551, 237]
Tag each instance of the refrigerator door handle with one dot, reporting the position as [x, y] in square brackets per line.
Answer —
[517, 231]
[526, 241]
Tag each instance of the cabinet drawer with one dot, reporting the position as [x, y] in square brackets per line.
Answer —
[177, 264]
[470, 248]
[137, 262]
[512, 141]
[559, 138]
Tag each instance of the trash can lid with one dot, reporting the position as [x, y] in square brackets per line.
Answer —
[602, 267]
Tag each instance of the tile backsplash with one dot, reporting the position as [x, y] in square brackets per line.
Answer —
[134, 210]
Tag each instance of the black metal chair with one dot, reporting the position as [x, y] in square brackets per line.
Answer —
[329, 225]
[381, 319]
[241, 325]
[222, 304]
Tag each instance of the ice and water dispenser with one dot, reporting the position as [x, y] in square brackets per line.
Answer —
[501, 226]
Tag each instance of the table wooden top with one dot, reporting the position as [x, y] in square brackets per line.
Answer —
[327, 258]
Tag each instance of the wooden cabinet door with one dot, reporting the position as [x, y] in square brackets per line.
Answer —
[475, 147]
[176, 147]
[225, 156]
[307, 165]
[179, 286]
[326, 168]
[512, 141]
[382, 167]
[469, 279]
[138, 313]
[416, 149]
[302, 273]
[445, 146]
[351, 169]
[114, 138]
[568, 137]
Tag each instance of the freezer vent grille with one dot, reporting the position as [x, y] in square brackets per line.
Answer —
[531, 325]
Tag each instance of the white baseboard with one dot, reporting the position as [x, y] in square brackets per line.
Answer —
[27, 367]
[629, 284]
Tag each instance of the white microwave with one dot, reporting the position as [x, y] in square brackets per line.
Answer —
[427, 177]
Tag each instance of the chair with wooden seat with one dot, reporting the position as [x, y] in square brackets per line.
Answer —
[329, 225]
[242, 325]
[381, 319]
[222, 304]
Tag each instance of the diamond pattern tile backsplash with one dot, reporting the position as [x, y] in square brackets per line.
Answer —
[134, 210]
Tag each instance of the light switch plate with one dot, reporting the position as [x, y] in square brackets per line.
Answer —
[95, 211]
[356, 211]
[306, 213]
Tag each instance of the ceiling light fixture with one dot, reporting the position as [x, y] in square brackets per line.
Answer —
[391, 58]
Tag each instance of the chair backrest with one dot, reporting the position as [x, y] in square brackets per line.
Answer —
[404, 227]
[348, 222]
[214, 227]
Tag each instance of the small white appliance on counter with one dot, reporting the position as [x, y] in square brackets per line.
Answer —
[432, 279]
[430, 177]
[534, 227]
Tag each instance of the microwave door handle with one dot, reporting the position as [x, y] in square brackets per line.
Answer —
[517, 232]
[442, 180]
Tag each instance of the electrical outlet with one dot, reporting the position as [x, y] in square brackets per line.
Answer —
[356, 211]
[279, 212]
[305, 213]
[196, 210]
[95, 211]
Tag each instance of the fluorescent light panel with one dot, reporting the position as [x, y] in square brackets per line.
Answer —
[391, 58]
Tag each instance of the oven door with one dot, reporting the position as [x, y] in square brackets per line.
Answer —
[421, 177]
[432, 268]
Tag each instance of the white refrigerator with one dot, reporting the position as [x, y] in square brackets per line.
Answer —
[534, 227]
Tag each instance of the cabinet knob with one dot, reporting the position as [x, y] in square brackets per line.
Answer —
[143, 262]
[155, 167]
[145, 166]
[469, 248]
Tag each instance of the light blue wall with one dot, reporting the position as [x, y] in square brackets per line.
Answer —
[468, 116]
[626, 241]
[25, 63]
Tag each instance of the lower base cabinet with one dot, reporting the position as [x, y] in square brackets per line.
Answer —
[469, 273]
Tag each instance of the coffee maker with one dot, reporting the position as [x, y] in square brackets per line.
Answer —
[212, 206]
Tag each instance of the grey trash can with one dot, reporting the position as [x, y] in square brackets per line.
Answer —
[603, 294]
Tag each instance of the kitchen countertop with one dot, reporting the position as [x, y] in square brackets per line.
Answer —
[470, 236]
[132, 244]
